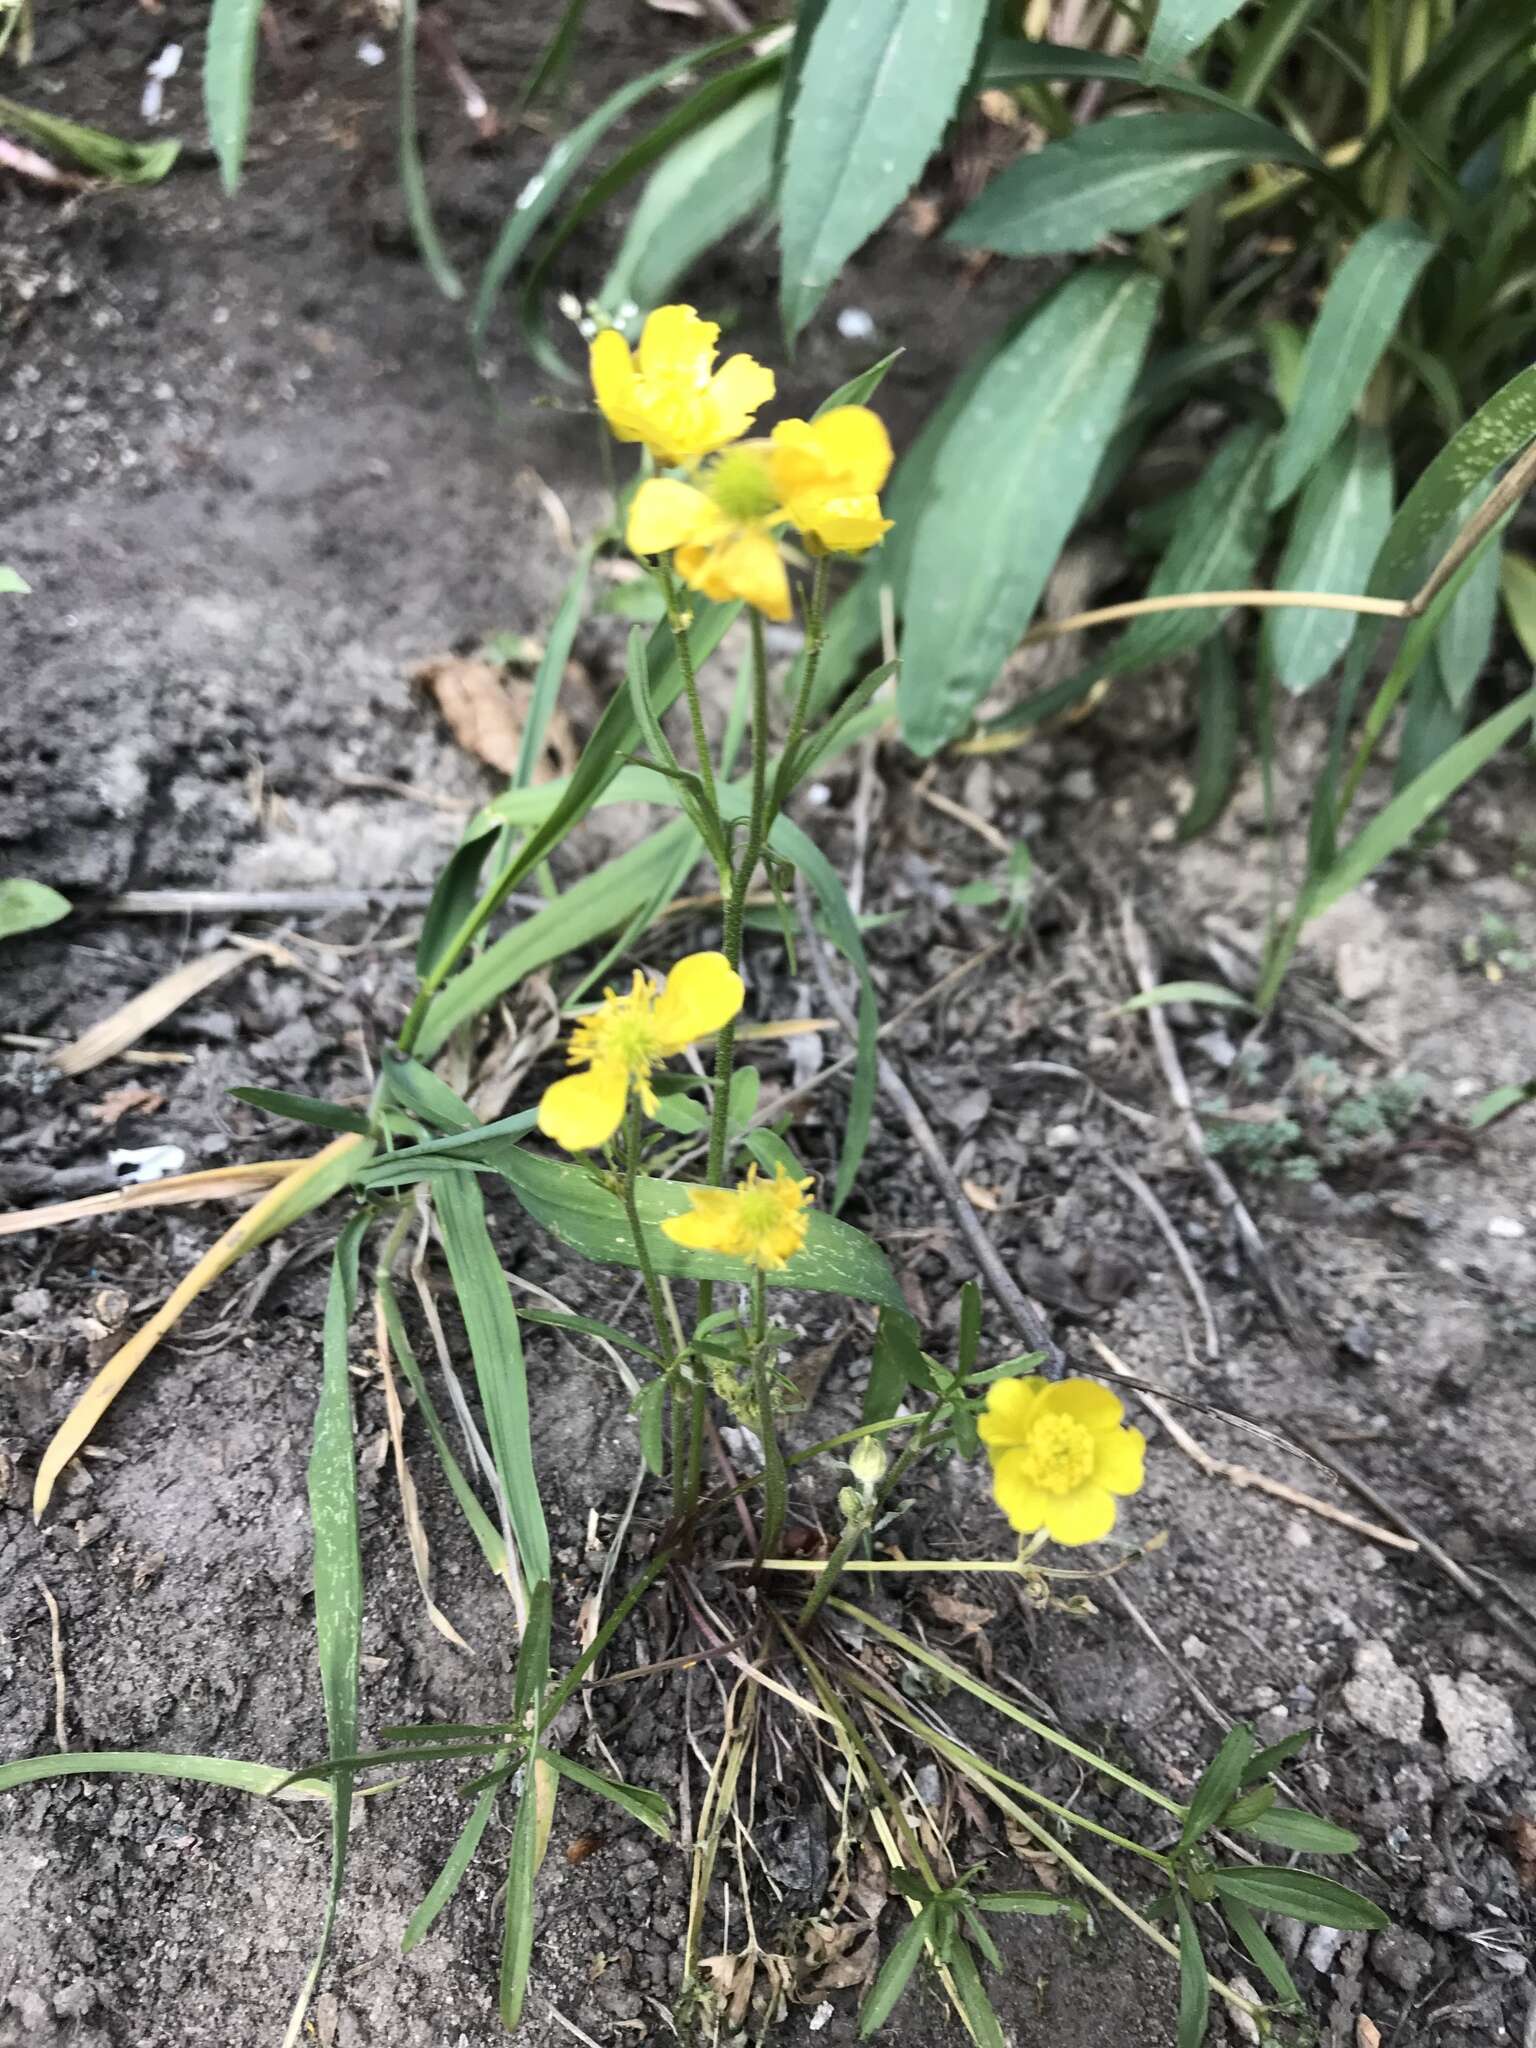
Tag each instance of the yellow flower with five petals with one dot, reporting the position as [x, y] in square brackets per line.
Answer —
[719, 531]
[668, 394]
[828, 474]
[1061, 1452]
[761, 1221]
[626, 1037]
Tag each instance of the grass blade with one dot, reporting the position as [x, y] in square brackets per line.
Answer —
[1216, 751]
[517, 1931]
[1194, 1979]
[895, 1973]
[264, 1781]
[413, 178]
[229, 71]
[448, 1879]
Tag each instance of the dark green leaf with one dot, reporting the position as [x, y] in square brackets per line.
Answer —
[895, 1973]
[878, 88]
[1336, 533]
[1264, 1761]
[969, 1341]
[300, 1109]
[1116, 177]
[649, 1808]
[1266, 1956]
[1182, 26]
[1359, 316]
[1015, 60]
[1287, 1827]
[1218, 1785]
[988, 536]
[896, 1365]
[570, 1203]
[229, 70]
[418, 1090]
[490, 1319]
[1249, 1805]
[1194, 1979]
[1299, 1896]
[858, 390]
[451, 1875]
[984, 2025]
[588, 1327]
[1216, 752]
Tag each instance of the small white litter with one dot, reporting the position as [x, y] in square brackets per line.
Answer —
[156, 73]
[149, 1162]
[854, 324]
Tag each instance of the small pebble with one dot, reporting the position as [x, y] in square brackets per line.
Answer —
[1063, 1137]
[1505, 1226]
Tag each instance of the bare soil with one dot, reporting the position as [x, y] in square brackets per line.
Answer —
[254, 482]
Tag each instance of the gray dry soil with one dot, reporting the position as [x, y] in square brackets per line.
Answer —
[253, 483]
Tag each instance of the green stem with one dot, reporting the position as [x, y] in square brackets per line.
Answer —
[631, 1173]
[775, 1486]
[815, 640]
[824, 1585]
[678, 623]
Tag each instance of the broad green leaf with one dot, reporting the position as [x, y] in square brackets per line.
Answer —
[420, 1092]
[1218, 1785]
[896, 1365]
[1115, 177]
[27, 906]
[1194, 1979]
[1185, 992]
[338, 1573]
[701, 192]
[1268, 1959]
[895, 1973]
[108, 156]
[229, 70]
[1359, 316]
[1336, 532]
[1182, 26]
[1392, 828]
[303, 1109]
[1495, 432]
[495, 1343]
[879, 86]
[265, 1781]
[571, 1204]
[649, 1808]
[12, 583]
[448, 1879]
[1517, 587]
[1264, 1761]
[1466, 633]
[988, 536]
[1298, 1895]
[1216, 751]
[1288, 1827]
[539, 197]
[413, 177]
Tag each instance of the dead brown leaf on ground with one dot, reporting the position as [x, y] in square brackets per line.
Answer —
[487, 711]
[121, 1102]
[961, 1614]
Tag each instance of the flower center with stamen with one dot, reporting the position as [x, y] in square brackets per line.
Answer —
[622, 1033]
[1059, 1455]
[742, 487]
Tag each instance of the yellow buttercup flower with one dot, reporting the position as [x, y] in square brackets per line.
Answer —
[761, 1221]
[828, 474]
[668, 394]
[626, 1037]
[719, 531]
[1061, 1451]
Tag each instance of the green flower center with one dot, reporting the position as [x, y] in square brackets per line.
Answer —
[741, 486]
[1059, 1455]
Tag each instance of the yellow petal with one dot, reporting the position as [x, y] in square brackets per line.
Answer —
[708, 1226]
[1119, 1462]
[665, 513]
[1086, 1402]
[740, 386]
[855, 445]
[613, 381]
[841, 526]
[676, 342]
[1024, 1503]
[1086, 1516]
[585, 1109]
[703, 993]
[1010, 1406]
[747, 564]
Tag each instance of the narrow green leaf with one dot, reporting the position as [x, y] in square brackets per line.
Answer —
[985, 2027]
[968, 1343]
[1218, 1785]
[413, 177]
[27, 906]
[517, 1929]
[1407, 814]
[1116, 177]
[1336, 534]
[264, 1781]
[1517, 587]
[879, 86]
[1285, 346]
[1267, 1958]
[490, 1320]
[419, 1091]
[1216, 749]
[1182, 26]
[1465, 638]
[895, 1973]
[1264, 1762]
[979, 1933]
[229, 71]
[108, 156]
[588, 1326]
[1499, 1102]
[648, 1408]
[858, 390]
[448, 1879]
[649, 1808]
[988, 535]
[1299, 1895]
[1185, 992]
[566, 1199]
[12, 583]
[299, 1109]
[1495, 432]
[1016, 60]
[1039, 1905]
[1287, 1827]
[550, 673]
[1359, 316]
[531, 1677]
[1194, 1979]
[702, 191]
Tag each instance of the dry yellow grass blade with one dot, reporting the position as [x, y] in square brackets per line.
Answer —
[125, 1027]
[310, 1184]
[216, 1184]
